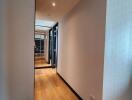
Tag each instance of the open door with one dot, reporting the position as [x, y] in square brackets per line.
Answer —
[53, 45]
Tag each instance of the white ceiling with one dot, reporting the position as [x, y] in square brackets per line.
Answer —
[41, 28]
[43, 25]
[45, 10]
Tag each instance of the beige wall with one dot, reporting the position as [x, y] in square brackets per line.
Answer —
[81, 48]
[16, 43]
[3, 51]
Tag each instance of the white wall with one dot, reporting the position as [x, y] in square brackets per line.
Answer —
[3, 50]
[118, 51]
[81, 48]
[46, 46]
[20, 49]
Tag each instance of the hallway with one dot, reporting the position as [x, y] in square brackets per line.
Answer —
[41, 62]
[49, 86]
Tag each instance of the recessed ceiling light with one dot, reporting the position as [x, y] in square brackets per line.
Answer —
[53, 4]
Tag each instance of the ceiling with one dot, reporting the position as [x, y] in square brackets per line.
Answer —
[43, 25]
[46, 11]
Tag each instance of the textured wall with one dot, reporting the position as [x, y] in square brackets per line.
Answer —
[118, 51]
[81, 48]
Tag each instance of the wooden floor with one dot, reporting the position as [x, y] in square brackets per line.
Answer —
[41, 62]
[49, 86]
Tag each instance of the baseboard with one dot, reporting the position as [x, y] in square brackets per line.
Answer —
[44, 67]
[79, 97]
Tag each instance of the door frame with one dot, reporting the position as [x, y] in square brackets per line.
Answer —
[54, 53]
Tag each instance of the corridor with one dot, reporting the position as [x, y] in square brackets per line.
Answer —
[88, 43]
[49, 86]
[40, 62]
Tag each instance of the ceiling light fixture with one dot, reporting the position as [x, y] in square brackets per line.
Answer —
[53, 4]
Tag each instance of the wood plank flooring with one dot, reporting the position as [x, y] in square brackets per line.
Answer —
[49, 86]
[41, 62]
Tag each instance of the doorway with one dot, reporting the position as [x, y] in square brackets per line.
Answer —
[46, 46]
[54, 45]
[49, 85]
[39, 50]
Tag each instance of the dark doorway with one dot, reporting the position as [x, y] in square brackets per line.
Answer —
[39, 44]
[54, 45]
